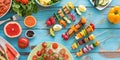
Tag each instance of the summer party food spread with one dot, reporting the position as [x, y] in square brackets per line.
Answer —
[8, 51]
[12, 29]
[4, 7]
[58, 21]
[51, 51]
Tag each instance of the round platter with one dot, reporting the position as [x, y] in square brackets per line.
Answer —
[37, 48]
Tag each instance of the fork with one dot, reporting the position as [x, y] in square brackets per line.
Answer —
[14, 17]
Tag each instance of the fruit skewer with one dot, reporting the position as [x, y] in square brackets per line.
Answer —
[90, 47]
[91, 37]
[87, 48]
[85, 31]
[73, 29]
[81, 42]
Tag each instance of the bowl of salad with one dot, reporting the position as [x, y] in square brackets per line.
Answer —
[47, 3]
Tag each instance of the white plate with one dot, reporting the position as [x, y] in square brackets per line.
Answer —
[3, 42]
[100, 7]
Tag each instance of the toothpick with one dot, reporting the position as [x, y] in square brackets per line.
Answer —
[101, 33]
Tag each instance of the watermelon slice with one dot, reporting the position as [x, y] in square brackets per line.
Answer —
[12, 50]
[9, 54]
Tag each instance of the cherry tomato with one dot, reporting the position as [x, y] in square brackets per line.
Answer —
[44, 44]
[50, 51]
[39, 53]
[56, 55]
[62, 51]
[45, 57]
[23, 43]
[34, 57]
[24, 2]
[18, 0]
[65, 56]
[43, 51]
[54, 45]
[51, 57]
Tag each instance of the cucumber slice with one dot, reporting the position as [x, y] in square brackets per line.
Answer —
[77, 11]
[105, 3]
[100, 2]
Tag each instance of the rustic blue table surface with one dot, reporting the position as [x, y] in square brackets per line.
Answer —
[109, 50]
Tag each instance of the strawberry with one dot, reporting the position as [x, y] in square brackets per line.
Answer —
[52, 20]
[18, 1]
[48, 23]
[24, 2]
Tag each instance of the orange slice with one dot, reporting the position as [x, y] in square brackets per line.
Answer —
[30, 21]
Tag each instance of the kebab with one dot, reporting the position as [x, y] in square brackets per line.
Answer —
[85, 31]
[66, 10]
[87, 48]
[73, 29]
[61, 14]
[90, 47]
[91, 37]
[83, 41]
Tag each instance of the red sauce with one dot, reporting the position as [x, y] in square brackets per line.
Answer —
[4, 6]
[13, 29]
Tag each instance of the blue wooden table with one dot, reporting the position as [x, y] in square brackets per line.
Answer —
[109, 50]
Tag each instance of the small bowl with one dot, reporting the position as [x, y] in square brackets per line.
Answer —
[47, 5]
[30, 34]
